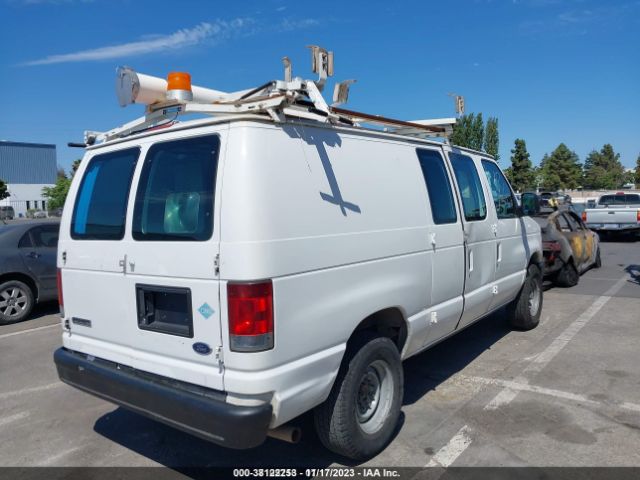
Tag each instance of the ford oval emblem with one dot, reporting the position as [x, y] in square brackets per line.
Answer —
[201, 348]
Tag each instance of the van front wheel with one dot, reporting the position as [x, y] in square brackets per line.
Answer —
[360, 416]
[525, 310]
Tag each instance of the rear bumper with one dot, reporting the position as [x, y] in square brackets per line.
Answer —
[197, 410]
[622, 227]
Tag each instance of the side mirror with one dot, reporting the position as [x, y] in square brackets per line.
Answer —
[530, 204]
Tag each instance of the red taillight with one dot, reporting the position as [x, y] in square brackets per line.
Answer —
[551, 246]
[638, 216]
[60, 296]
[250, 308]
[584, 216]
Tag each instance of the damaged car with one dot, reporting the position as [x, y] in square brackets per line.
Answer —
[569, 247]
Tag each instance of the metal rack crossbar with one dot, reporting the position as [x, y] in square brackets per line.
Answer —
[277, 99]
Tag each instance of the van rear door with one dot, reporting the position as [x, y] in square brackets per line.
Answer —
[144, 291]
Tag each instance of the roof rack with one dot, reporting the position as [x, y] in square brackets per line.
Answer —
[165, 100]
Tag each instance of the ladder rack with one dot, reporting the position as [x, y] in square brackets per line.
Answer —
[277, 99]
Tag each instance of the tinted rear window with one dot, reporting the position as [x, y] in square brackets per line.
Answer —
[438, 187]
[631, 199]
[175, 192]
[101, 203]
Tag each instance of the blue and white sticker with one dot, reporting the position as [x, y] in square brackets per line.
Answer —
[205, 310]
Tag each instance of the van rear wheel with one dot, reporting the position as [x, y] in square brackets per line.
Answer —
[525, 310]
[360, 416]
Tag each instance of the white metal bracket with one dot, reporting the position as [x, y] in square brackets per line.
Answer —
[322, 64]
[341, 92]
[288, 70]
[277, 100]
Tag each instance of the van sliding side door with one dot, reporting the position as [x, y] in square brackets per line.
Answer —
[479, 235]
[445, 245]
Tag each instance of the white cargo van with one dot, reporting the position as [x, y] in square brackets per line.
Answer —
[226, 275]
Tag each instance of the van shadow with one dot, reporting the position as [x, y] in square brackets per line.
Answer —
[320, 138]
[195, 458]
[426, 371]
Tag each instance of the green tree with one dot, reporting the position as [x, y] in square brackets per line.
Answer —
[74, 166]
[462, 131]
[476, 137]
[561, 169]
[57, 194]
[521, 174]
[549, 178]
[603, 169]
[637, 172]
[4, 192]
[629, 177]
[491, 138]
[508, 172]
[469, 131]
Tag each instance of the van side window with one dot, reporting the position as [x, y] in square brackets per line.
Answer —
[473, 201]
[443, 208]
[500, 190]
[175, 193]
[101, 202]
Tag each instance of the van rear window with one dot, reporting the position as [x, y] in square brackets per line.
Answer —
[101, 203]
[175, 193]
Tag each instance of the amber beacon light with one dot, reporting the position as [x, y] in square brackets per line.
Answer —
[179, 86]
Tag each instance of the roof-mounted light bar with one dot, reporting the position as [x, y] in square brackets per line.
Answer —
[133, 87]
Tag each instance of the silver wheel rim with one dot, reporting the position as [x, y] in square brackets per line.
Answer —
[534, 299]
[13, 301]
[374, 396]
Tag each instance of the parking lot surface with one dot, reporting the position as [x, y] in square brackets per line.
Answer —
[564, 394]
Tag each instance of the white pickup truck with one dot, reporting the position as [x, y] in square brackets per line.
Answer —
[619, 212]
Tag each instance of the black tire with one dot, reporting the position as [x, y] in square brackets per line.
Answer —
[524, 312]
[339, 420]
[568, 275]
[16, 301]
[598, 262]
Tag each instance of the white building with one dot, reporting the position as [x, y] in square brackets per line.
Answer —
[26, 168]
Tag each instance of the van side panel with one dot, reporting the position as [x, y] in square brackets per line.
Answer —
[318, 212]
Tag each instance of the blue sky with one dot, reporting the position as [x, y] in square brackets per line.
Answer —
[551, 70]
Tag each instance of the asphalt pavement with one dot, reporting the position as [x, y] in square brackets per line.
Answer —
[564, 394]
